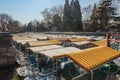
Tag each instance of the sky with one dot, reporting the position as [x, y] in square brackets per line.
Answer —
[28, 10]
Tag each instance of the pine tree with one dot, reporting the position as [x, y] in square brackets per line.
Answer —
[72, 19]
[57, 22]
[77, 16]
[73, 27]
[106, 14]
[72, 8]
[67, 17]
[94, 24]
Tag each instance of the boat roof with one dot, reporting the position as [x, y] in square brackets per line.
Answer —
[61, 52]
[100, 43]
[43, 48]
[81, 42]
[92, 58]
[43, 43]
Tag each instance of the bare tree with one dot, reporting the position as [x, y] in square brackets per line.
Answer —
[58, 10]
[49, 15]
[7, 24]
[14, 26]
[4, 20]
[87, 12]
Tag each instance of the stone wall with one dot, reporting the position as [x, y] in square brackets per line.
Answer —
[79, 33]
[7, 51]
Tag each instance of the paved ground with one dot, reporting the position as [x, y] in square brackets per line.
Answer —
[8, 73]
[117, 77]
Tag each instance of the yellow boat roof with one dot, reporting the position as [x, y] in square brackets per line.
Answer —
[16, 37]
[92, 58]
[72, 39]
[78, 39]
[43, 43]
[100, 43]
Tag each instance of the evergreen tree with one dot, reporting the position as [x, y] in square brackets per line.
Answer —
[94, 22]
[72, 8]
[117, 23]
[106, 14]
[57, 22]
[77, 16]
[67, 19]
[72, 19]
[30, 27]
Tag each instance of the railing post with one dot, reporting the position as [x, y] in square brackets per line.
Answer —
[107, 37]
[91, 74]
